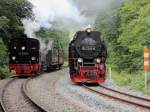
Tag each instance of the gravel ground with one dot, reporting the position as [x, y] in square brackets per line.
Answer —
[56, 93]
[97, 103]
[43, 91]
[15, 100]
[2, 84]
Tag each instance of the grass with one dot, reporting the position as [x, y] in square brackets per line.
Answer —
[134, 81]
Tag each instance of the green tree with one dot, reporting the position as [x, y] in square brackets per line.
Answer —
[134, 32]
[58, 36]
[126, 31]
[11, 13]
[107, 23]
[4, 72]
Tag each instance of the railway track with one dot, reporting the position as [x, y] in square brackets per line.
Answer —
[14, 98]
[120, 96]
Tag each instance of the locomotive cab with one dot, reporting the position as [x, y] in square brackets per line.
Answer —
[87, 56]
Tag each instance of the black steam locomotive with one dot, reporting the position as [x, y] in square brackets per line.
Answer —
[26, 58]
[87, 56]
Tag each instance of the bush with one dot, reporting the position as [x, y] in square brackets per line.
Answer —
[4, 72]
[134, 81]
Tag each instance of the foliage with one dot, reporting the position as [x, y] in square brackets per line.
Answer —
[3, 54]
[11, 13]
[134, 31]
[4, 72]
[126, 31]
[59, 37]
[107, 24]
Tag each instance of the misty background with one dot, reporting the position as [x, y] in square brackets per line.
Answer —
[69, 15]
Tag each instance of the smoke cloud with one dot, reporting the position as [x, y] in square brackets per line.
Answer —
[51, 14]
[47, 11]
[65, 14]
[30, 27]
[90, 8]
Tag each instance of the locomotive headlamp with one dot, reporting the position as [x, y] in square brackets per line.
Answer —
[13, 58]
[98, 60]
[23, 48]
[15, 47]
[33, 58]
[80, 60]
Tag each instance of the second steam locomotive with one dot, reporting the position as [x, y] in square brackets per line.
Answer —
[26, 58]
[87, 56]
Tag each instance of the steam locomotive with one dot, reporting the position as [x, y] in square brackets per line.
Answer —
[87, 56]
[26, 58]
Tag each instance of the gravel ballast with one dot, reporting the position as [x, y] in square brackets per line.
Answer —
[55, 92]
[15, 101]
[96, 102]
[2, 84]
[43, 91]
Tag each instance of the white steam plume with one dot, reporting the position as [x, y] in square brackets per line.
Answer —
[49, 12]
[30, 27]
[65, 13]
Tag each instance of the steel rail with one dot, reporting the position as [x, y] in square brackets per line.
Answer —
[123, 93]
[113, 97]
[25, 92]
[3, 105]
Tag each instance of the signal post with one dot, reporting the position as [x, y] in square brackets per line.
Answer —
[146, 64]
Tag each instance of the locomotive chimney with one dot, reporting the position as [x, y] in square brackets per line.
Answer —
[88, 29]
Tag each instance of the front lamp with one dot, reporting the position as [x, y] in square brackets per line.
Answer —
[23, 48]
[80, 60]
[13, 58]
[33, 58]
[98, 60]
